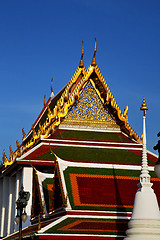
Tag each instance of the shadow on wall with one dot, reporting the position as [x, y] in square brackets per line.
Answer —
[121, 225]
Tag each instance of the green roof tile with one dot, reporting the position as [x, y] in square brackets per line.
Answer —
[103, 136]
[90, 154]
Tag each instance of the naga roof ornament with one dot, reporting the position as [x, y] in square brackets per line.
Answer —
[5, 160]
[11, 152]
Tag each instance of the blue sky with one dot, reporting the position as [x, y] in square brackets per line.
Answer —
[42, 39]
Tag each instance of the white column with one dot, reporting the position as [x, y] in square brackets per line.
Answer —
[5, 200]
[1, 200]
[27, 180]
[17, 189]
[11, 205]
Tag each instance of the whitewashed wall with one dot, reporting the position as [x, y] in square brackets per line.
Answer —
[9, 193]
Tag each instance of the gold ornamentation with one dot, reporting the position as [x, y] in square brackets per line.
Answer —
[18, 149]
[4, 158]
[49, 111]
[39, 222]
[40, 129]
[34, 131]
[17, 143]
[89, 107]
[95, 50]
[52, 85]
[68, 98]
[24, 135]
[11, 152]
[125, 112]
[81, 64]
[144, 107]
[90, 123]
[44, 100]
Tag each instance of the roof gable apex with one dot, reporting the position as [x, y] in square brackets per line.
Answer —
[52, 118]
[88, 110]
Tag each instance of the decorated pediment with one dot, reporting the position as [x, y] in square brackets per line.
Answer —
[89, 110]
[86, 100]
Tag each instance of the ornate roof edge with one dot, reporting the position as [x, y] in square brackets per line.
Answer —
[68, 95]
[107, 99]
[53, 119]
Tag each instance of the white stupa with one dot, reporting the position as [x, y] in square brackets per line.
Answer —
[145, 220]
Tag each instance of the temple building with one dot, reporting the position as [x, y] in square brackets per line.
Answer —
[81, 163]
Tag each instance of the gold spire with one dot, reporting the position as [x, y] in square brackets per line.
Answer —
[144, 106]
[44, 100]
[95, 50]
[81, 64]
[52, 85]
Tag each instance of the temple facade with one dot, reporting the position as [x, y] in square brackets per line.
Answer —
[81, 163]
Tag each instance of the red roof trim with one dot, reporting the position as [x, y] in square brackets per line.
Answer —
[29, 162]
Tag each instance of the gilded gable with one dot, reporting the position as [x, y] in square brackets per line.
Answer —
[89, 110]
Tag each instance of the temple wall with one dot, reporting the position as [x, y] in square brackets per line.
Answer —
[17, 189]
[9, 193]
[27, 180]
[11, 209]
[4, 208]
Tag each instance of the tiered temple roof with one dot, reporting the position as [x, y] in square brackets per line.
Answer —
[82, 136]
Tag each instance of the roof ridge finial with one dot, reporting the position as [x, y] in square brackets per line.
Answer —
[94, 63]
[52, 94]
[81, 64]
[144, 176]
[52, 84]
[144, 106]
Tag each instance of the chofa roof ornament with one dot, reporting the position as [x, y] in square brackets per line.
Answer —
[44, 103]
[52, 94]
[81, 64]
[94, 63]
